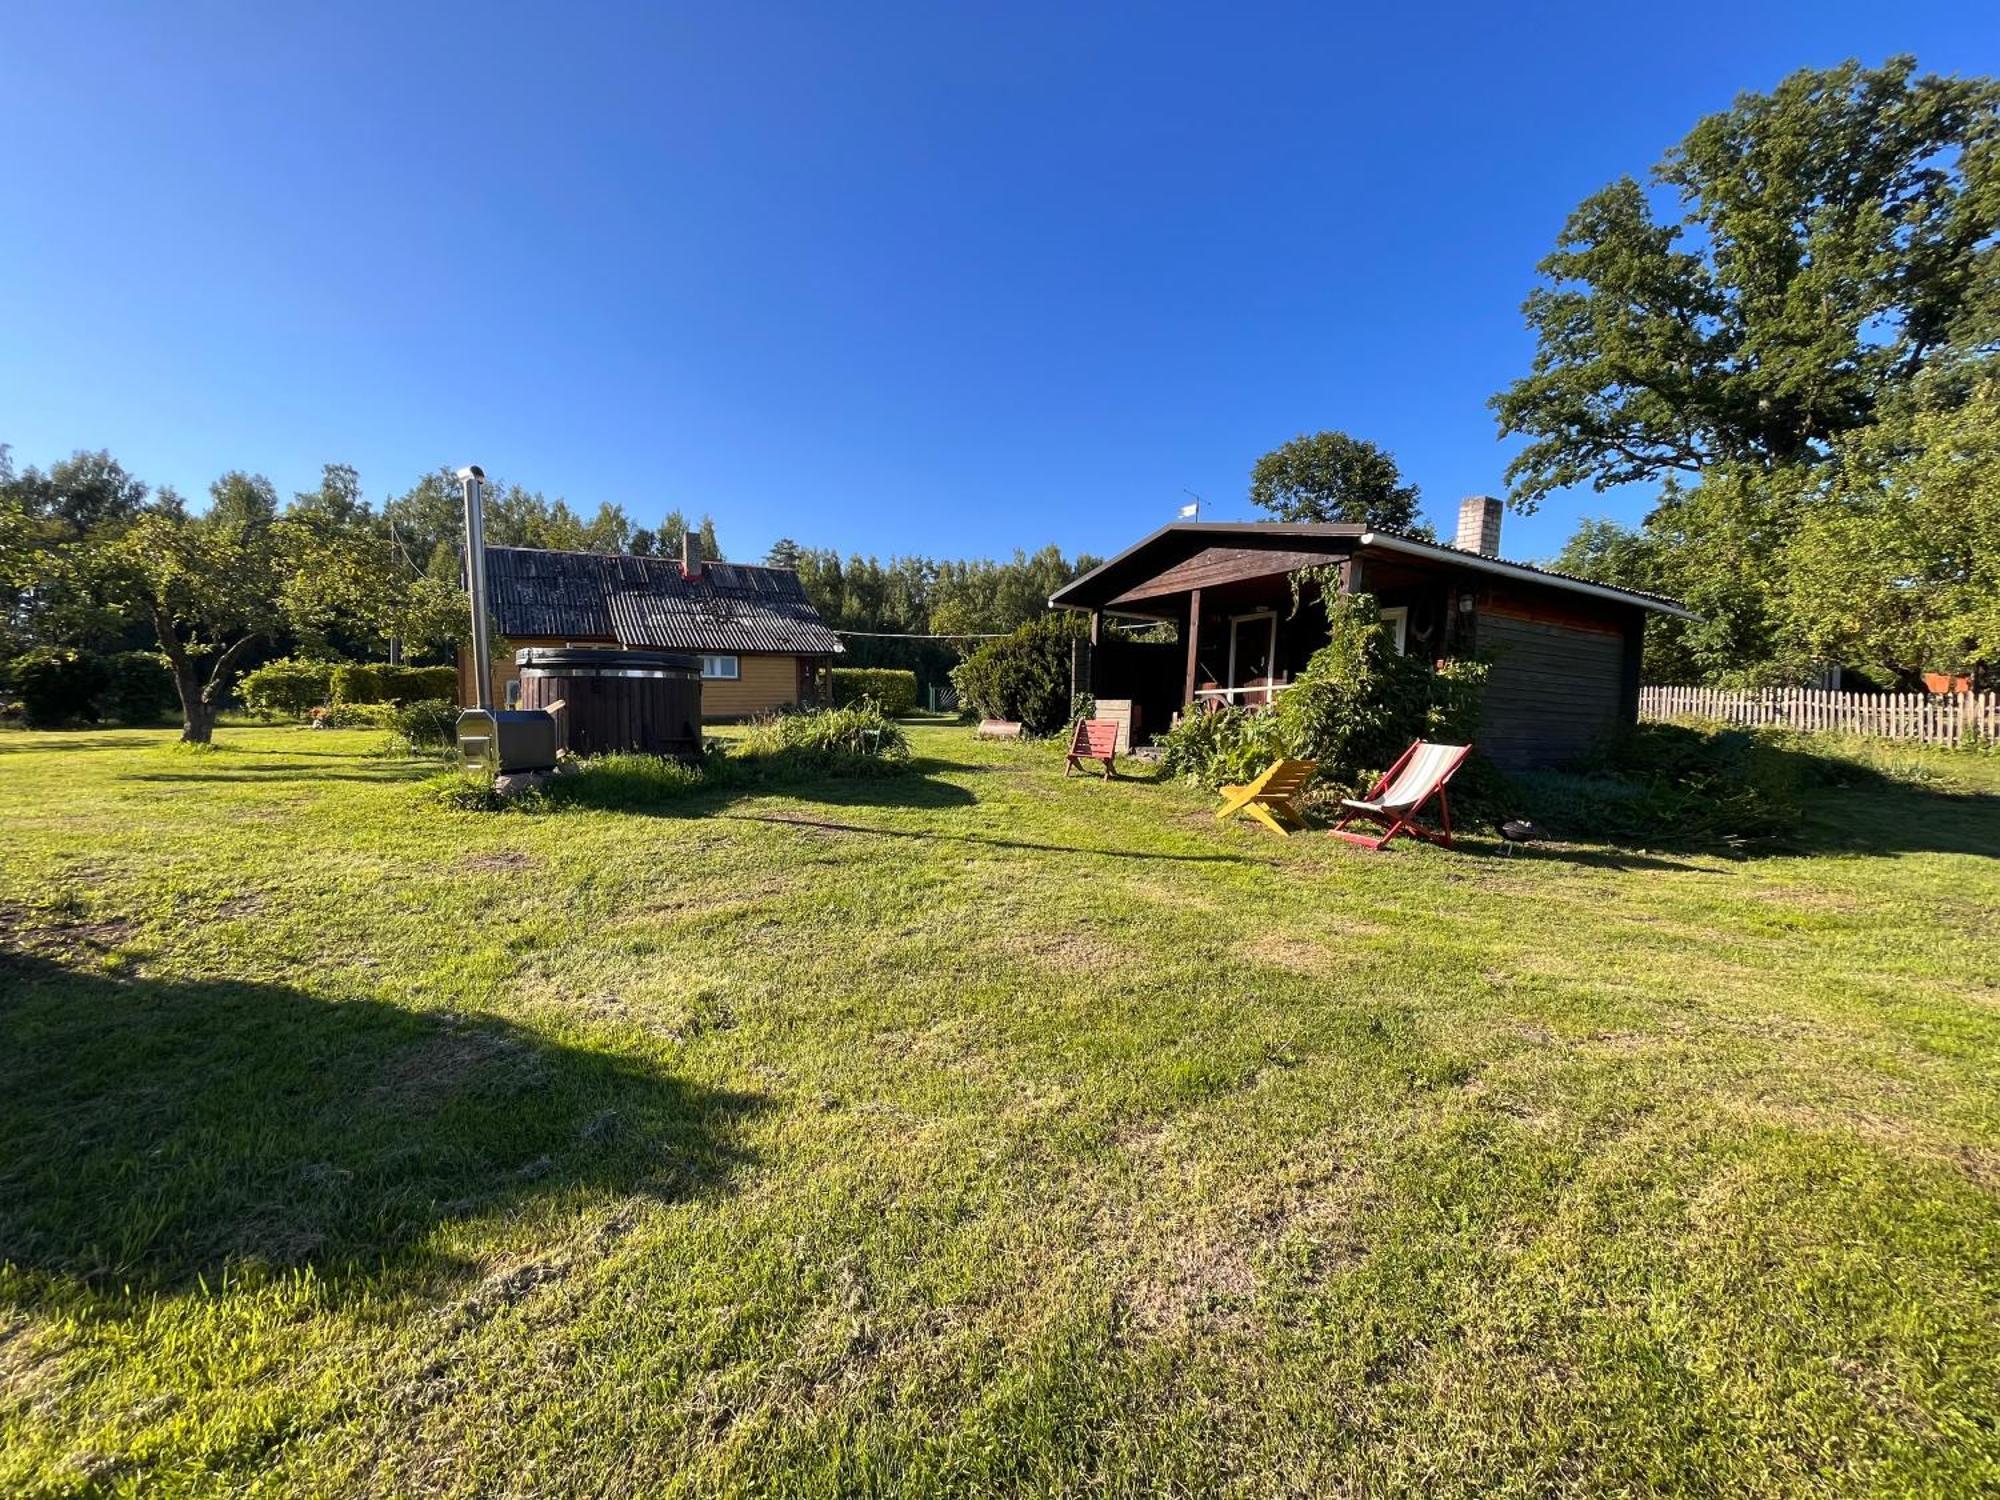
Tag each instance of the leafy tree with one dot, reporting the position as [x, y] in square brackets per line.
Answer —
[1895, 566]
[209, 584]
[48, 596]
[1330, 476]
[1834, 241]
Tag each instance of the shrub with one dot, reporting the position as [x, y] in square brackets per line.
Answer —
[1674, 784]
[1227, 745]
[139, 688]
[624, 783]
[895, 690]
[1024, 676]
[858, 740]
[59, 686]
[290, 687]
[427, 724]
[1354, 709]
[357, 682]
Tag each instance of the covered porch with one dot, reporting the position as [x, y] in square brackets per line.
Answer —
[1248, 620]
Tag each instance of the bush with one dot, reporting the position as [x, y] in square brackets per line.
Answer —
[290, 687]
[357, 682]
[896, 691]
[858, 740]
[1227, 745]
[1354, 710]
[624, 783]
[1024, 676]
[59, 686]
[1674, 784]
[139, 688]
[427, 724]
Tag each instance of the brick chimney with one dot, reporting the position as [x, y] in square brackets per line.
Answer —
[692, 565]
[1478, 525]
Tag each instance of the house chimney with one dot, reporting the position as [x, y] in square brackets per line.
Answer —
[1479, 525]
[691, 562]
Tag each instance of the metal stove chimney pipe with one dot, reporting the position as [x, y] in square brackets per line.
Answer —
[474, 480]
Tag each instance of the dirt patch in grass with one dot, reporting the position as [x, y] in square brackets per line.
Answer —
[59, 929]
[499, 861]
[1074, 950]
[1302, 953]
[1196, 1286]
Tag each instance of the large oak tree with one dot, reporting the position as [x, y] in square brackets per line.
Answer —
[1824, 246]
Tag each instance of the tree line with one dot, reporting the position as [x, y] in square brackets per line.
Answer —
[92, 559]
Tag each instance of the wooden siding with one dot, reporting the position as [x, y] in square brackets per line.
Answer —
[1556, 687]
[768, 682]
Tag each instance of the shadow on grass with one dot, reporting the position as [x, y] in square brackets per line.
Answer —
[927, 835]
[69, 741]
[153, 1132]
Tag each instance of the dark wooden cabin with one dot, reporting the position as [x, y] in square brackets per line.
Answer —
[1565, 652]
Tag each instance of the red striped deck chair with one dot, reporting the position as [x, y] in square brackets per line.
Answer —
[1400, 795]
[1095, 739]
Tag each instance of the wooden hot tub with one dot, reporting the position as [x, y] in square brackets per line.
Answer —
[647, 702]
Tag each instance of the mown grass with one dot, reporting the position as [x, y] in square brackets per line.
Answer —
[977, 1131]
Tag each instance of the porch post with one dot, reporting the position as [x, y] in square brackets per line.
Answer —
[1193, 644]
[1096, 627]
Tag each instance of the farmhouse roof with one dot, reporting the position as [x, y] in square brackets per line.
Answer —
[648, 601]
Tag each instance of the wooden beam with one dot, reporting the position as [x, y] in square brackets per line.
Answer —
[1193, 647]
[1096, 627]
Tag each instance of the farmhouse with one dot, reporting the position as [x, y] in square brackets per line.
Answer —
[762, 645]
[1565, 652]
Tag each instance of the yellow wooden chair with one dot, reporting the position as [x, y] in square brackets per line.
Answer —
[1272, 798]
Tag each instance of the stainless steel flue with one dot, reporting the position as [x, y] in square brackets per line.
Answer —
[474, 480]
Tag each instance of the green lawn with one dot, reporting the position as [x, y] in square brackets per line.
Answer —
[977, 1132]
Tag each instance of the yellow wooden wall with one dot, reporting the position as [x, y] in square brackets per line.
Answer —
[766, 683]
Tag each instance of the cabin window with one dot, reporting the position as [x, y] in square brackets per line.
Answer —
[722, 668]
[1398, 622]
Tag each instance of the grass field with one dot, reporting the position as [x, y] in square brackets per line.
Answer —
[977, 1132]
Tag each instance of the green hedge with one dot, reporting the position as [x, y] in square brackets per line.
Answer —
[894, 690]
[355, 682]
[290, 687]
[57, 685]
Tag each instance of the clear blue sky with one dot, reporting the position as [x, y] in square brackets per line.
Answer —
[934, 278]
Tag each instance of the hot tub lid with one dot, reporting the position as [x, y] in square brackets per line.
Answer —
[605, 661]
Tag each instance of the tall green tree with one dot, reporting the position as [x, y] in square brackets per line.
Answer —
[1829, 242]
[1331, 476]
[1895, 566]
[210, 585]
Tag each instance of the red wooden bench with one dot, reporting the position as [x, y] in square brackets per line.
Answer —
[1095, 739]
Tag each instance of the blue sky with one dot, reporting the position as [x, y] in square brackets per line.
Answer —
[940, 278]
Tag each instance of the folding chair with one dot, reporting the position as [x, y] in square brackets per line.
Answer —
[1272, 796]
[1095, 739]
[1400, 795]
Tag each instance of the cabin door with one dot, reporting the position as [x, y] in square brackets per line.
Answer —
[1253, 648]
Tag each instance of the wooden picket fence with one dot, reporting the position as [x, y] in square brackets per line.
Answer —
[1931, 718]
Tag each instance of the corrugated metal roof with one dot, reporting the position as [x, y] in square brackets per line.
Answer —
[644, 601]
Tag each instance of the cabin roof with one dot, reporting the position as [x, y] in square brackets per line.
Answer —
[647, 601]
[1180, 540]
